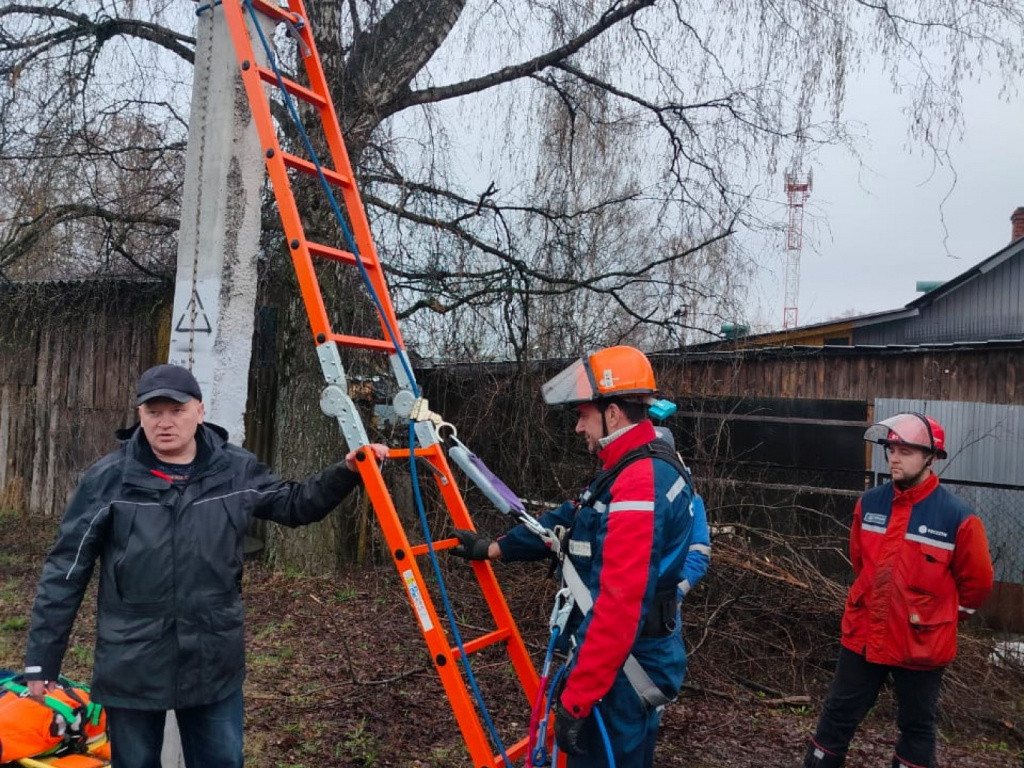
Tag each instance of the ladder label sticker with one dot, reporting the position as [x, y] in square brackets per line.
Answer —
[417, 600]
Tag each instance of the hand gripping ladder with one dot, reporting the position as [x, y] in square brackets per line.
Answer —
[335, 174]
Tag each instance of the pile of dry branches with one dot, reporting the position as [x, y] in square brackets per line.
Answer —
[765, 624]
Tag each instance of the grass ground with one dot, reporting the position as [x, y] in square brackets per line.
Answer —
[339, 676]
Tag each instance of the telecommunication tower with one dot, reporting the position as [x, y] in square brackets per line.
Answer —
[798, 188]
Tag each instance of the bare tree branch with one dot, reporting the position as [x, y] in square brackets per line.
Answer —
[608, 19]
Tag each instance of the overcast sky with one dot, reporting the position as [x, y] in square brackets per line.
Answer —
[872, 231]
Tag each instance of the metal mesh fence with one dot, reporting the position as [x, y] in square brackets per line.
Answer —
[1001, 509]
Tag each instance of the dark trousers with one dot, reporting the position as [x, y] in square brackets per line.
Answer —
[211, 735]
[853, 692]
[632, 728]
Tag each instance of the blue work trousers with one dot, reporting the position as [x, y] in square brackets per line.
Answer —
[632, 729]
[211, 735]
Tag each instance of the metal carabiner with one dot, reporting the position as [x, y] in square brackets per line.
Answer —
[564, 603]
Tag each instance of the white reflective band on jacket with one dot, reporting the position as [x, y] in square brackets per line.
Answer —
[645, 688]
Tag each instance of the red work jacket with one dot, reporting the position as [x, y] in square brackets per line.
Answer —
[922, 562]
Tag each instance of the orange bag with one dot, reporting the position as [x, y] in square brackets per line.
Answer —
[66, 722]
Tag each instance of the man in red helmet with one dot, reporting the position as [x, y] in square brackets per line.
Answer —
[921, 562]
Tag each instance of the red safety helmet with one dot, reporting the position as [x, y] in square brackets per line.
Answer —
[914, 429]
[611, 372]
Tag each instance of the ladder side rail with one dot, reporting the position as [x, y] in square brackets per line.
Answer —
[340, 158]
[422, 605]
[308, 284]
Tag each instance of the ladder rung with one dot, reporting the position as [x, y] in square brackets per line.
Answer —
[336, 254]
[306, 167]
[422, 549]
[479, 643]
[274, 11]
[403, 453]
[362, 342]
[296, 90]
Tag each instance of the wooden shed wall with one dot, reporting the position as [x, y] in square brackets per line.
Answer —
[69, 358]
[989, 374]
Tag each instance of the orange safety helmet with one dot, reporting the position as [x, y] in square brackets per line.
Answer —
[913, 429]
[611, 372]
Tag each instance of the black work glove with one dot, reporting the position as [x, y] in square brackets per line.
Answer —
[472, 545]
[569, 732]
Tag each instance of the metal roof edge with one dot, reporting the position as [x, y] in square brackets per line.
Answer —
[982, 267]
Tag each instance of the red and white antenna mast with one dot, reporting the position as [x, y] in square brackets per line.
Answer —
[798, 188]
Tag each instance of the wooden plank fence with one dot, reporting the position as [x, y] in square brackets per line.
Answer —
[982, 373]
[70, 354]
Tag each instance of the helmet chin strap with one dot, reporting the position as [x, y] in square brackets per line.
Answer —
[602, 406]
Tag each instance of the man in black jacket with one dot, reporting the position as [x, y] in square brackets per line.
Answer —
[166, 516]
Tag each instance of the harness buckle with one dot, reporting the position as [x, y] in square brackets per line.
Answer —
[561, 532]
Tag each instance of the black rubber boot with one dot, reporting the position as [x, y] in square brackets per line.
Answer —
[818, 758]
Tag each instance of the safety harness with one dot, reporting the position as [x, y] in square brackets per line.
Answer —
[661, 618]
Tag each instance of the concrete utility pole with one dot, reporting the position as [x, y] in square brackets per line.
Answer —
[215, 290]
[215, 287]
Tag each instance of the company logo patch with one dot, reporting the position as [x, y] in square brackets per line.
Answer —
[874, 518]
[579, 548]
[932, 532]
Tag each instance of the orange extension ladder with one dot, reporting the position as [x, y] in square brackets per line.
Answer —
[336, 172]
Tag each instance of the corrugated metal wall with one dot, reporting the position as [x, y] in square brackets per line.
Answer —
[989, 306]
[985, 444]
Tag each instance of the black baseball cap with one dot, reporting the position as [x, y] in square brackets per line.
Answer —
[170, 381]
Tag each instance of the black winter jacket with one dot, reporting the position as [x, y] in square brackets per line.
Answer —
[169, 628]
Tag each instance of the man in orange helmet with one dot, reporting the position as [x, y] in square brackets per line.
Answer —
[628, 537]
[922, 562]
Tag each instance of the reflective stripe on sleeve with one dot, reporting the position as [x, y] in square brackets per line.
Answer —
[631, 506]
[677, 487]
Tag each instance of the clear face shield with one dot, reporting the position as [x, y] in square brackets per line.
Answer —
[575, 384]
[906, 428]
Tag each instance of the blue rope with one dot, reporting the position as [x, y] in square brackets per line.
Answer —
[604, 737]
[597, 716]
[207, 6]
[540, 753]
[350, 241]
[447, 604]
